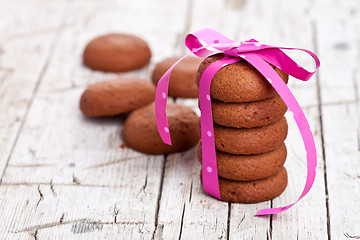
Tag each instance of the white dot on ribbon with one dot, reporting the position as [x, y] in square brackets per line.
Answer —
[270, 81]
[164, 95]
[209, 169]
[166, 129]
[209, 133]
[257, 44]
[298, 65]
[242, 56]
[208, 97]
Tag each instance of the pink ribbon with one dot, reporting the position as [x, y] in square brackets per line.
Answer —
[206, 42]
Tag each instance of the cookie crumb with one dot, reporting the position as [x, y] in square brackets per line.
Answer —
[122, 145]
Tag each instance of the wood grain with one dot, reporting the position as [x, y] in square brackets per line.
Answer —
[65, 176]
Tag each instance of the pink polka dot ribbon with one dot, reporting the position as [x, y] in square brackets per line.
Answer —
[206, 42]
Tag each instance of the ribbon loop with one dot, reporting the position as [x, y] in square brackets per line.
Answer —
[206, 42]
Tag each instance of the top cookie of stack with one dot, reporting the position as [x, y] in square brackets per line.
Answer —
[241, 96]
[238, 82]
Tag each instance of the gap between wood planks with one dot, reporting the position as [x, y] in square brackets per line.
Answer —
[317, 80]
[54, 42]
[159, 196]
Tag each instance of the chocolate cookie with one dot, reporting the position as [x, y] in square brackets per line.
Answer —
[248, 115]
[116, 53]
[116, 96]
[238, 82]
[248, 167]
[253, 191]
[182, 80]
[250, 140]
[140, 131]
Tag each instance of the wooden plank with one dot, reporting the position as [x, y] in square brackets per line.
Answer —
[24, 54]
[341, 139]
[337, 39]
[307, 219]
[75, 212]
[185, 210]
[282, 30]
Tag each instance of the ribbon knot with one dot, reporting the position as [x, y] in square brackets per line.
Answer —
[206, 42]
[251, 45]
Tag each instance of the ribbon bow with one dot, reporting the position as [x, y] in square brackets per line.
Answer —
[206, 42]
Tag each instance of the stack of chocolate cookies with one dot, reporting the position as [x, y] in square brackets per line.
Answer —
[249, 130]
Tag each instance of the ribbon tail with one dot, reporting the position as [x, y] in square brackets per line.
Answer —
[269, 73]
[280, 59]
[161, 102]
[162, 95]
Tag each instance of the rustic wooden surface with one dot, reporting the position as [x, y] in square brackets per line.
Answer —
[63, 176]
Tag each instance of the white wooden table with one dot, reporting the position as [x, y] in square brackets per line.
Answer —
[64, 176]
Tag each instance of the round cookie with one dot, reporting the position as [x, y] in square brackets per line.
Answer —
[182, 80]
[253, 191]
[250, 114]
[140, 131]
[116, 96]
[116, 53]
[248, 167]
[238, 82]
[250, 140]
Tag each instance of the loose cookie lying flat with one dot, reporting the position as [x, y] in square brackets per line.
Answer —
[140, 131]
[116, 96]
[116, 53]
